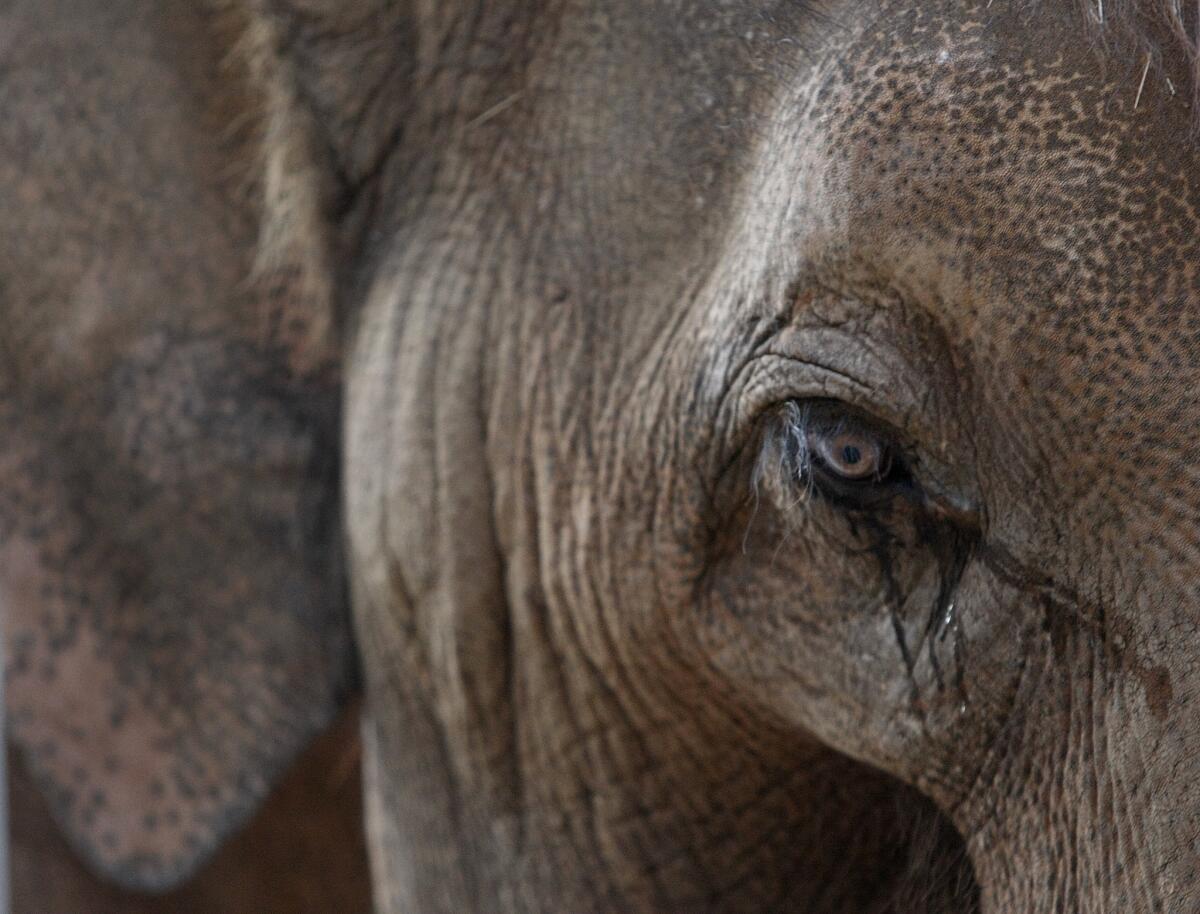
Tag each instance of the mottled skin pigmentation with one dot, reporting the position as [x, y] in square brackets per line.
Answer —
[302, 852]
[170, 556]
[617, 656]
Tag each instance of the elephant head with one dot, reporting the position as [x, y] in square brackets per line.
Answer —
[770, 463]
[767, 467]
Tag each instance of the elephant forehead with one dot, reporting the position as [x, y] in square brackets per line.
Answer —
[1040, 205]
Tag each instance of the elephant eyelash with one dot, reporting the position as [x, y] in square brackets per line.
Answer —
[785, 452]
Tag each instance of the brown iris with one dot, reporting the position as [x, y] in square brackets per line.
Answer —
[853, 454]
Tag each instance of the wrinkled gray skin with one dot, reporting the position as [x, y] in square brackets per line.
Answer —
[618, 657]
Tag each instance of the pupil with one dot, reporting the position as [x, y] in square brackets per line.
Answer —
[851, 454]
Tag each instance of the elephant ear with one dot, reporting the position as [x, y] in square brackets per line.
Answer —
[170, 576]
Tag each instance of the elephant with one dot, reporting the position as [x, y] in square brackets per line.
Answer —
[640, 404]
[302, 853]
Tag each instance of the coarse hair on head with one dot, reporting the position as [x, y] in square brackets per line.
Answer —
[1155, 31]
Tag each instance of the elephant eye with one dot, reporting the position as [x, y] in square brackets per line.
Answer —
[853, 454]
[834, 451]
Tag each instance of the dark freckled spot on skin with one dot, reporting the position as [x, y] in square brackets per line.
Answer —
[1156, 681]
[65, 798]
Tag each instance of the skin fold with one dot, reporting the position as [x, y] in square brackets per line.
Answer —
[575, 296]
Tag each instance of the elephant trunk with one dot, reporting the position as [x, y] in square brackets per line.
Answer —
[1094, 775]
